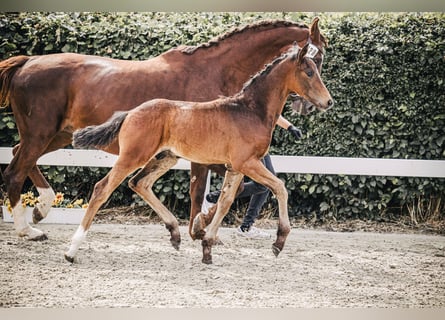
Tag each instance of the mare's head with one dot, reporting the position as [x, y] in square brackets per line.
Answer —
[306, 78]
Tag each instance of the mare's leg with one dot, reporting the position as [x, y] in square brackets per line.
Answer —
[46, 193]
[232, 180]
[256, 171]
[25, 158]
[102, 191]
[142, 183]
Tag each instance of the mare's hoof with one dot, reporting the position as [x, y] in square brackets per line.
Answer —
[175, 243]
[276, 251]
[36, 216]
[41, 237]
[69, 259]
[207, 260]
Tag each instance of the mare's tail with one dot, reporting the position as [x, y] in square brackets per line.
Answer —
[101, 135]
[8, 68]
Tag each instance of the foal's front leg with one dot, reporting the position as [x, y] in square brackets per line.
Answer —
[232, 180]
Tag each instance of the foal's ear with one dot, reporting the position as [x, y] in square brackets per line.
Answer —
[315, 31]
[302, 53]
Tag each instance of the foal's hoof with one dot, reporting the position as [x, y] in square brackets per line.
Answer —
[207, 251]
[207, 260]
[175, 238]
[69, 259]
[37, 216]
[198, 227]
[276, 251]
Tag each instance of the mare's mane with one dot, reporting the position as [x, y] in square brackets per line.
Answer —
[265, 25]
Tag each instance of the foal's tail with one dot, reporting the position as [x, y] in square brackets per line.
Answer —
[101, 135]
[8, 68]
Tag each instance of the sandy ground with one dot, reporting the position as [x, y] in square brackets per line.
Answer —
[135, 266]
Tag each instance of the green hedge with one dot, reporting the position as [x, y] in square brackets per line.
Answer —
[385, 71]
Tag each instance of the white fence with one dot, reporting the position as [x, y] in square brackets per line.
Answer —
[289, 164]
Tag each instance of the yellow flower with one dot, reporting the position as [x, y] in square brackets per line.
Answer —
[84, 206]
[59, 199]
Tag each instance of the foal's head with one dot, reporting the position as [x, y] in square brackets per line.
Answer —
[299, 104]
[306, 79]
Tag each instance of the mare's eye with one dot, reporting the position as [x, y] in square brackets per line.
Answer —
[310, 73]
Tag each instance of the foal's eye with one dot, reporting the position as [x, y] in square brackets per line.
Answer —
[310, 73]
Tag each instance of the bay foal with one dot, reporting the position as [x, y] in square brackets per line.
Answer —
[234, 131]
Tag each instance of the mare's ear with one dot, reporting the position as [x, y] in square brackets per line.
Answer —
[302, 53]
[315, 31]
[316, 35]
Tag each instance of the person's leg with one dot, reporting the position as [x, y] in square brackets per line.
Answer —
[258, 198]
[255, 204]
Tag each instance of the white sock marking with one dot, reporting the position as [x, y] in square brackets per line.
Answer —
[76, 241]
[46, 198]
[22, 226]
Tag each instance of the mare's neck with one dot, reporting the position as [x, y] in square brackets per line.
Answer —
[242, 55]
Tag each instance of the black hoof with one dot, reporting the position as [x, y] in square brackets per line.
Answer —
[175, 244]
[69, 259]
[207, 260]
[276, 251]
[42, 237]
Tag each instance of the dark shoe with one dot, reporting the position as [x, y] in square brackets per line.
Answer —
[213, 196]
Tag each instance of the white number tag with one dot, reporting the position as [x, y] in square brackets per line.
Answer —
[311, 51]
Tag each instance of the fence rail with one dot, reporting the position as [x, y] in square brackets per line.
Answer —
[288, 164]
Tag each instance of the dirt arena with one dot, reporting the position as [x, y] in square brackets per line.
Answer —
[135, 266]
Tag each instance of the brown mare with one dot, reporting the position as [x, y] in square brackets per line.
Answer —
[241, 129]
[53, 95]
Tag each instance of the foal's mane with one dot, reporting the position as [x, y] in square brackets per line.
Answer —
[262, 25]
[292, 53]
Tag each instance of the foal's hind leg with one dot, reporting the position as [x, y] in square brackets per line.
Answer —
[142, 184]
[102, 191]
